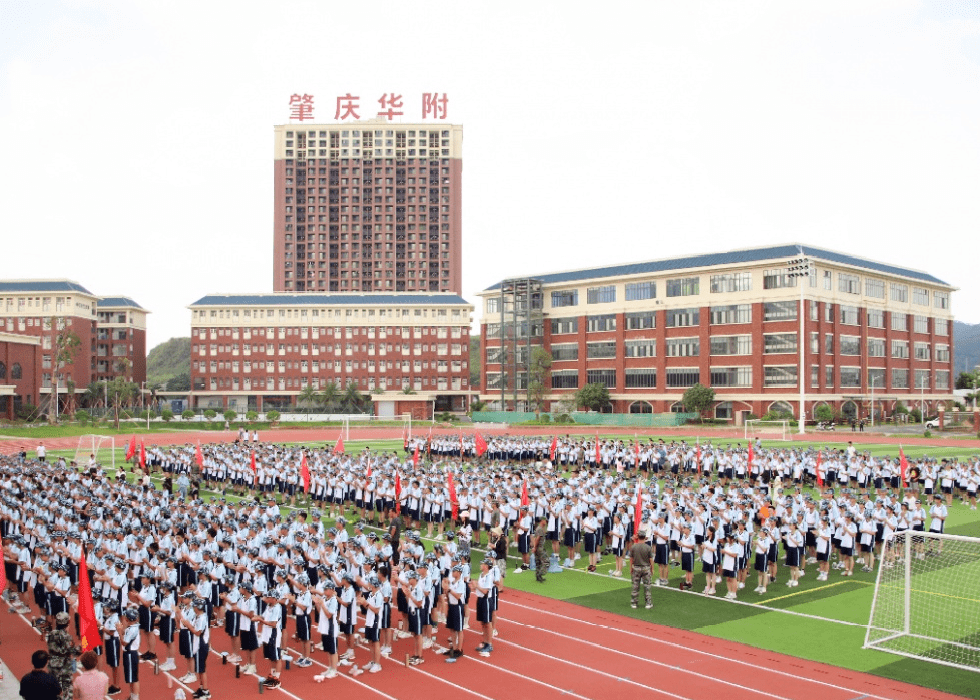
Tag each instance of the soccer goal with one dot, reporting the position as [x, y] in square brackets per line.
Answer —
[926, 601]
[102, 446]
[768, 429]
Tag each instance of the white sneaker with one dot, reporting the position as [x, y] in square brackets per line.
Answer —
[519, 570]
[577, 556]
[741, 585]
[386, 651]
[427, 643]
[344, 662]
[374, 668]
[494, 631]
[168, 666]
[188, 678]
[250, 668]
[356, 672]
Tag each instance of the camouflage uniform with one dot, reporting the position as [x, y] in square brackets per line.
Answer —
[540, 559]
[62, 651]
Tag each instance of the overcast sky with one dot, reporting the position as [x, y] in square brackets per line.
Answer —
[136, 137]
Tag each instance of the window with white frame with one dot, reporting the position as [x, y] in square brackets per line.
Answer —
[564, 351]
[900, 349]
[874, 288]
[922, 351]
[876, 347]
[682, 377]
[683, 347]
[731, 282]
[731, 376]
[779, 311]
[876, 318]
[640, 320]
[684, 287]
[777, 279]
[899, 292]
[920, 324]
[641, 378]
[900, 379]
[779, 343]
[601, 295]
[644, 347]
[601, 350]
[850, 345]
[849, 315]
[850, 377]
[780, 375]
[920, 296]
[900, 322]
[734, 313]
[600, 323]
[940, 300]
[567, 297]
[942, 353]
[677, 318]
[921, 379]
[940, 326]
[849, 284]
[638, 291]
[731, 345]
[942, 379]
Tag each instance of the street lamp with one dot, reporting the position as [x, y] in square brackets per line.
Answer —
[799, 268]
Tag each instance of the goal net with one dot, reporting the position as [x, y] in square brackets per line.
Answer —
[102, 446]
[927, 600]
[770, 429]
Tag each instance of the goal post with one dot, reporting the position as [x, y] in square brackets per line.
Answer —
[770, 429]
[96, 445]
[926, 602]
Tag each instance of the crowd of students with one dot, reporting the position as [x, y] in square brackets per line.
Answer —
[165, 570]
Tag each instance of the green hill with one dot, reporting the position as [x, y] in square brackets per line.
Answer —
[168, 360]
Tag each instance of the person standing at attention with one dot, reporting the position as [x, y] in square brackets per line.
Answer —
[640, 554]
[537, 545]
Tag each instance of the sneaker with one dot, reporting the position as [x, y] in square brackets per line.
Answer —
[188, 678]
[519, 570]
[481, 646]
[303, 662]
[349, 654]
[494, 631]
[271, 682]
[386, 651]
[356, 671]
[741, 585]
[113, 690]
[416, 660]
[202, 693]
[632, 605]
[866, 569]
[250, 668]
[374, 668]
[344, 662]
[649, 605]
[760, 591]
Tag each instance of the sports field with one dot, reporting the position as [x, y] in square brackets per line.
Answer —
[817, 621]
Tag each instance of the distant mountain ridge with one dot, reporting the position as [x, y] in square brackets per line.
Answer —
[168, 360]
[966, 346]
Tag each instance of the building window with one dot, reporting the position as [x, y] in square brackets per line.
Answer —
[736, 313]
[683, 347]
[828, 280]
[602, 376]
[900, 349]
[942, 353]
[779, 311]
[600, 323]
[876, 347]
[849, 315]
[647, 347]
[815, 376]
[874, 288]
[568, 297]
[493, 330]
[731, 376]
[900, 379]
[16, 372]
[731, 345]
[876, 377]
[684, 287]
[642, 378]
[940, 300]
[849, 284]
[900, 322]
[922, 351]
[637, 291]
[941, 326]
[899, 292]
[601, 351]
[920, 296]
[780, 376]
[495, 355]
[850, 377]
[731, 282]
[780, 343]
[850, 345]
[920, 324]
[678, 318]
[942, 379]
[564, 379]
[876, 318]
[921, 379]
[829, 376]
[682, 377]
[601, 295]
[564, 352]
[777, 279]
[493, 305]
[640, 320]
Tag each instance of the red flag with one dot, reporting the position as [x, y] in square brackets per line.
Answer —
[254, 466]
[554, 448]
[819, 473]
[903, 463]
[525, 500]
[638, 512]
[398, 487]
[88, 626]
[142, 454]
[405, 439]
[452, 495]
[339, 447]
[131, 450]
[3, 578]
[415, 455]
[598, 455]
[369, 471]
[304, 470]
[750, 456]
[198, 456]
[481, 445]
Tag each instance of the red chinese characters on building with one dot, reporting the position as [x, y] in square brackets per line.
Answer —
[301, 107]
[434, 105]
[347, 107]
[391, 106]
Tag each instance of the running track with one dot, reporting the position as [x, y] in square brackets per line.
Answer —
[551, 649]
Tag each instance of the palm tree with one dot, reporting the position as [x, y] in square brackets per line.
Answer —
[352, 400]
[308, 396]
[329, 395]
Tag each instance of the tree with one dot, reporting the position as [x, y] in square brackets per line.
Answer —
[67, 345]
[210, 414]
[329, 396]
[698, 398]
[187, 414]
[94, 394]
[180, 382]
[352, 399]
[121, 393]
[594, 396]
[308, 396]
[823, 413]
[231, 415]
[537, 376]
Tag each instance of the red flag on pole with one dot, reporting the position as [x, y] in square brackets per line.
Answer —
[452, 495]
[638, 512]
[88, 626]
[525, 500]
[598, 455]
[903, 463]
[3, 578]
[254, 466]
[304, 470]
[142, 454]
[405, 439]
[819, 473]
[198, 456]
[339, 447]
[554, 448]
[398, 487]
[131, 450]
[750, 456]
[481, 445]
[369, 471]
[415, 455]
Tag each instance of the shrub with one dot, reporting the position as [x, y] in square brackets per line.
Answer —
[544, 418]
[563, 419]
[124, 415]
[272, 415]
[824, 413]
[210, 414]
[187, 414]
[230, 415]
[167, 415]
[251, 416]
[82, 416]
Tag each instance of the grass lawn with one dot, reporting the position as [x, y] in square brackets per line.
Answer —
[821, 621]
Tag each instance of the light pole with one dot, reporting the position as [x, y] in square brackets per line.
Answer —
[922, 400]
[872, 378]
[800, 268]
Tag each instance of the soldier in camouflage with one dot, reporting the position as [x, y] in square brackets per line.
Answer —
[63, 652]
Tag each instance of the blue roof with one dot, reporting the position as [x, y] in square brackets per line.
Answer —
[330, 299]
[732, 257]
[42, 286]
[116, 302]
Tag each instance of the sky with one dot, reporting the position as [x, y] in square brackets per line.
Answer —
[136, 136]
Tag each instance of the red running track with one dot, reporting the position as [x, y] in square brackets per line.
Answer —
[546, 648]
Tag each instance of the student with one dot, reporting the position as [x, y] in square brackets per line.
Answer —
[372, 602]
[326, 604]
[483, 589]
[270, 637]
[456, 594]
[131, 652]
[415, 598]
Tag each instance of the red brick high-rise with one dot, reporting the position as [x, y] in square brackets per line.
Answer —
[368, 206]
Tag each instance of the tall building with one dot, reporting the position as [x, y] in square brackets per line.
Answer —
[109, 330]
[873, 334]
[409, 352]
[368, 206]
